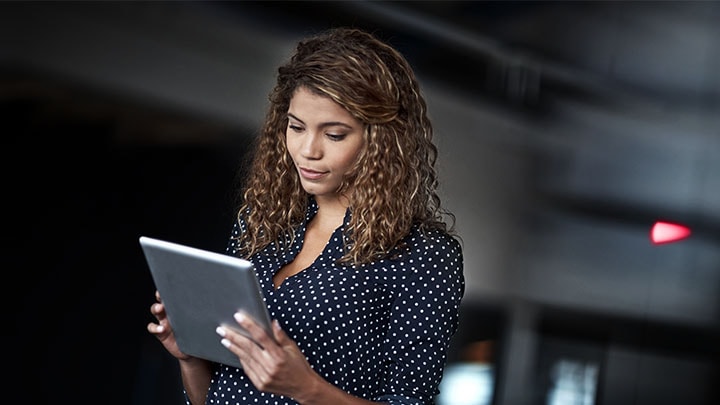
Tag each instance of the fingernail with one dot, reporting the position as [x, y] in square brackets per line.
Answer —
[225, 342]
[239, 316]
[160, 329]
[220, 331]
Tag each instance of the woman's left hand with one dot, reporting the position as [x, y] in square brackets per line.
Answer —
[274, 364]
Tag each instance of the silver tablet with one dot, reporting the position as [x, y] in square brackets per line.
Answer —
[202, 290]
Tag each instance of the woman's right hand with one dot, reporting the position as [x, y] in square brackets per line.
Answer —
[163, 330]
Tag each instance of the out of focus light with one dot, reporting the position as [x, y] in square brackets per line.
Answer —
[467, 384]
[666, 232]
[574, 382]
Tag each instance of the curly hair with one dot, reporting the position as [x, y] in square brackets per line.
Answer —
[393, 184]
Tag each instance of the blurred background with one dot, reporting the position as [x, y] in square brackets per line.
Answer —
[566, 129]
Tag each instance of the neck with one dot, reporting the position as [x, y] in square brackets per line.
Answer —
[331, 209]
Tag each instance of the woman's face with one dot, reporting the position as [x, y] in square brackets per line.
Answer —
[324, 141]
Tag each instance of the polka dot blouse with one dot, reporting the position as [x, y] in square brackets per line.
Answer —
[378, 331]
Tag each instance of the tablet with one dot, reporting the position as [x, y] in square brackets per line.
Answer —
[202, 290]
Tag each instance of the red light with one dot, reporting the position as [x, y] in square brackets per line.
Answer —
[666, 232]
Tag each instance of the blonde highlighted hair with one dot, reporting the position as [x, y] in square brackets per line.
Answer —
[393, 184]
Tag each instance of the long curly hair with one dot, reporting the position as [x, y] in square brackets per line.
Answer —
[392, 185]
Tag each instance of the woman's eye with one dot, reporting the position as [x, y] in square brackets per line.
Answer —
[295, 128]
[336, 137]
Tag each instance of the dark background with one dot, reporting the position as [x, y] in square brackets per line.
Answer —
[91, 163]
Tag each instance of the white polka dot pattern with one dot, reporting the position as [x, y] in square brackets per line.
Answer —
[378, 331]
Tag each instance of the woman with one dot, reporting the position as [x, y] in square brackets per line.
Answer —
[357, 259]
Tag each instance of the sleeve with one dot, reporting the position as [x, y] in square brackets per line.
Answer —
[424, 317]
[231, 247]
[238, 227]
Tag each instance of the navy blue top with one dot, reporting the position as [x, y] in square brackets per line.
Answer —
[379, 331]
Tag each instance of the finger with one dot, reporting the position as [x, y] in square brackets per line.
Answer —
[158, 310]
[250, 354]
[237, 339]
[254, 330]
[280, 336]
[155, 329]
[157, 296]
[255, 372]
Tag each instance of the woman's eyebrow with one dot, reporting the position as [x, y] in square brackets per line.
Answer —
[290, 115]
[324, 124]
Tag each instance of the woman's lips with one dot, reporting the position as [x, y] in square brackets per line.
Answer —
[310, 174]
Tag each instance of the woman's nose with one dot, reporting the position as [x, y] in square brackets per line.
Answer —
[312, 146]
